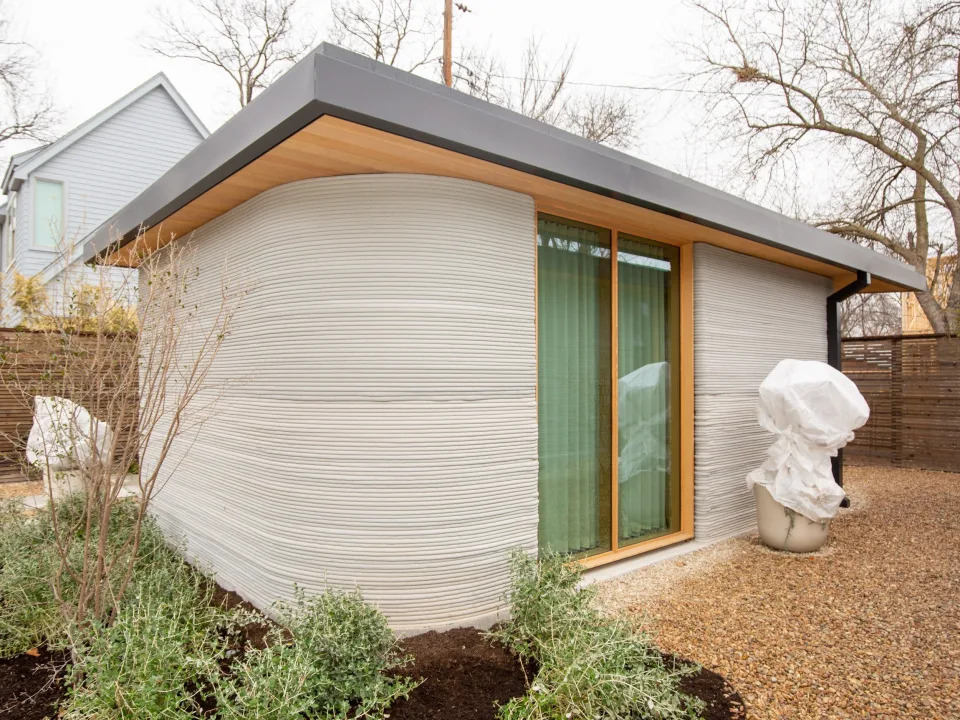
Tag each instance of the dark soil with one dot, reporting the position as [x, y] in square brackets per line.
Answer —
[31, 685]
[464, 677]
[253, 635]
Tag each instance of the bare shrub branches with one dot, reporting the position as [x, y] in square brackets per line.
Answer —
[252, 41]
[150, 386]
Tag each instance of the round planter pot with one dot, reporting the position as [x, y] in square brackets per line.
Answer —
[784, 529]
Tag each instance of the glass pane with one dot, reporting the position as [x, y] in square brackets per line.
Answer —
[48, 213]
[574, 386]
[647, 486]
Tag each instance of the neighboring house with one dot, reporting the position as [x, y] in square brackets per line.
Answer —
[58, 193]
[915, 321]
[467, 332]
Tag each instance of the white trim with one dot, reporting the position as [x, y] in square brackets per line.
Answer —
[22, 171]
[15, 161]
[12, 208]
[33, 213]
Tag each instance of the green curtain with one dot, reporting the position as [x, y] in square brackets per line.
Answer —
[574, 386]
[644, 418]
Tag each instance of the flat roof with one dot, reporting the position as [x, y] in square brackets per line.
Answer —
[334, 82]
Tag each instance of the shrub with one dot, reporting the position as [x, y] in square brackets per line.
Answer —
[29, 297]
[29, 612]
[331, 660]
[589, 666]
[161, 651]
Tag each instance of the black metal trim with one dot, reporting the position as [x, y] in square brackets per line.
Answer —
[834, 345]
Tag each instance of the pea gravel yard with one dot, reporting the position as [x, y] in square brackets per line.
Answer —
[19, 489]
[868, 627]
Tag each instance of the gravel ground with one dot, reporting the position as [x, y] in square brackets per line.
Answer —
[868, 627]
[20, 489]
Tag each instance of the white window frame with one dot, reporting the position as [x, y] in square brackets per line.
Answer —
[10, 232]
[34, 245]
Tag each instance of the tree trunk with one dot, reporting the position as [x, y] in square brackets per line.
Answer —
[936, 315]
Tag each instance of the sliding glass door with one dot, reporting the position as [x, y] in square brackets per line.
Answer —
[608, 452]
[574, 379]
[647, 421]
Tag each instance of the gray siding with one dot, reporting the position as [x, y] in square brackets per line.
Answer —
[385, 433]
[103, 171]
[749, 315]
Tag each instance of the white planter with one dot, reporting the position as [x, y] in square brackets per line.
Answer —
[783, 529]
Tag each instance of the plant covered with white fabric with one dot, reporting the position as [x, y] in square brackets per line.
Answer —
[812, 409]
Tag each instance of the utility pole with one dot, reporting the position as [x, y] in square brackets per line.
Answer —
[448, 43]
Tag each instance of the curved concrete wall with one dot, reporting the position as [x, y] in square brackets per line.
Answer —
[385, 432]
[749, 314]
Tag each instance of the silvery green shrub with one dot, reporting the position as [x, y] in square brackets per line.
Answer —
[331, 659]
[589, 666]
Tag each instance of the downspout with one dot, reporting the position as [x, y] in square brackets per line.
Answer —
[834, 348]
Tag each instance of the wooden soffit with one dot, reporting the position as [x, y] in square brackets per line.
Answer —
[330, 146]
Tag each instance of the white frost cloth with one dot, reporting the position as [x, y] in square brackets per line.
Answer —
[813, 410]
[64, 434]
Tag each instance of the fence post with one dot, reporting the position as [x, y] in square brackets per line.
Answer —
[896, 402]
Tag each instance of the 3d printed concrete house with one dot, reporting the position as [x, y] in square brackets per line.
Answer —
[469, 332]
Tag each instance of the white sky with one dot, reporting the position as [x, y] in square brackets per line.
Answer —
[91, 55]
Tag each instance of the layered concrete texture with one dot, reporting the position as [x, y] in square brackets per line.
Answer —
[749, 314]
[381, 429]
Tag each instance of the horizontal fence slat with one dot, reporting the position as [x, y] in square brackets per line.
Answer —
[25, 357]
[912, 384]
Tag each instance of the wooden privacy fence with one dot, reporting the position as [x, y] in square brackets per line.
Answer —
[912, 383]
[25, 363]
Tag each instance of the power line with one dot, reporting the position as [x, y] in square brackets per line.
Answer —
[612, 86]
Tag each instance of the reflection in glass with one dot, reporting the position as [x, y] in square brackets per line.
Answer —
[648, 499]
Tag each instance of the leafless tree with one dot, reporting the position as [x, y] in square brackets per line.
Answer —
[871, 314]
[541, 89]
[402, 33]
[857, 81]
[141, 390]
[252, 41]
[407, 34]
[27, 113]
[538, 89]
[605, 117]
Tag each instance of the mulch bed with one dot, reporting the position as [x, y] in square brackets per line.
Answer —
[465, 677]
[31, 685]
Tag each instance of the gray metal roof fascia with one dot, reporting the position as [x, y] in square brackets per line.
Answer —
[380, 96]
[279, 111]
[340, 83]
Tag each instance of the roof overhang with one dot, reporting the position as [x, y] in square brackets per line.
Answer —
[337, 113]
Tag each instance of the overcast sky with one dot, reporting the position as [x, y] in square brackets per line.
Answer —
[92, 54]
